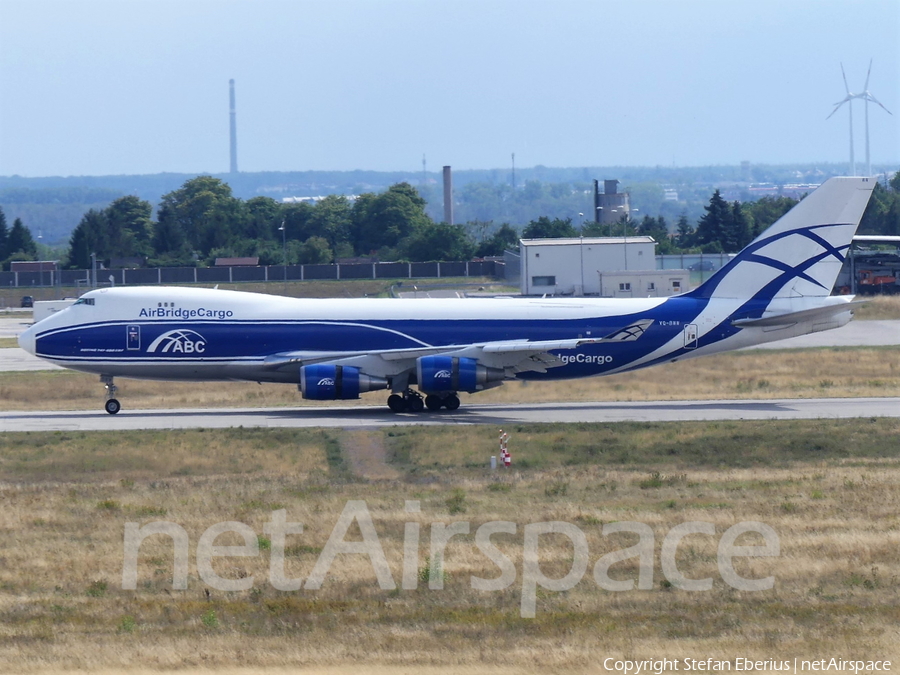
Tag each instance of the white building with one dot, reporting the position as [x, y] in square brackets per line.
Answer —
[573, 266]
[643, 283]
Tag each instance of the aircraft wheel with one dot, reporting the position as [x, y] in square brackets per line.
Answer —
[416, 404]
[433, 402]
[451, 402]
[396, 403]
[112, 406]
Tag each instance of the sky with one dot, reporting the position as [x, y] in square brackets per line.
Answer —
[104, 87]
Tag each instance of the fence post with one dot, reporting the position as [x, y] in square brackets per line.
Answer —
[159, 275]
[338, 270]
[373, 270]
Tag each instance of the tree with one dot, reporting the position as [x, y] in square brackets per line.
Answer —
[89, 237]
[169, 243]
[763, 212]
[544, 228]
[331, 220]
[264, 217]
[20, 242]
[314, 251]
[128, 228]
[504, 238]
[121, 230]
[297, 221]
[384, 220]
[684, 232]
[4, 237]
[205, 211]
[711, 231]
[439, 241]
[895, 182]
[657, 228]
[737, 230]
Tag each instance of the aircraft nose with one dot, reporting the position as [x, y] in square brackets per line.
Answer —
[26, 340]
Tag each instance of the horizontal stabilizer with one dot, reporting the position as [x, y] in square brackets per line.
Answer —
[797, 317]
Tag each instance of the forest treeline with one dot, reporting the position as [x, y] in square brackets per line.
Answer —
[202, 220]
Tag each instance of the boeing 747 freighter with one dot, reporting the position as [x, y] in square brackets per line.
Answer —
[425, 352]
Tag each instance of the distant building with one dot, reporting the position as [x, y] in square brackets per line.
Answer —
[237, 262]
[573, 266]
[34, 266]
[610, 205]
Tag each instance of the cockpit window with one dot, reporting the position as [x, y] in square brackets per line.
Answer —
[84, 301]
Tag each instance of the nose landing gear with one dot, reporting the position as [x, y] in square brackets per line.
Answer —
[112, 405]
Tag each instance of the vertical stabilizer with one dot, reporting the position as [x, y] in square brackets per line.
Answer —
[801, 254]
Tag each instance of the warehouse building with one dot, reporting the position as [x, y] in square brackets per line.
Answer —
[597, 266]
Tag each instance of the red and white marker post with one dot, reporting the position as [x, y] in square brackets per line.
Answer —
[505, 457]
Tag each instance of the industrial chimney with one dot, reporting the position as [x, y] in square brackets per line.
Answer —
[448, 196]
[234, 168]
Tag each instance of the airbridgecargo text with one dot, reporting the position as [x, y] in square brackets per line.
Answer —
[180, 313]
[586, 358]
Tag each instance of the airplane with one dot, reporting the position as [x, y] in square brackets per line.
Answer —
[778, 286]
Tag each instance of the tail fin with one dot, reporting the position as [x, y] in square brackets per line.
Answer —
[801, 254]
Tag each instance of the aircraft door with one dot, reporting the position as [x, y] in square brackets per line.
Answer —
[690, 336]
[133, 338]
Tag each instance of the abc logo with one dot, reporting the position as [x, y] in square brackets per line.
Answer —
[178, 342]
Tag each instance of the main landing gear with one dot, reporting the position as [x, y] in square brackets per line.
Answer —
[411, 401]
[112, 405]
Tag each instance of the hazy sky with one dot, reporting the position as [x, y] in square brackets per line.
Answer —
[92, 87]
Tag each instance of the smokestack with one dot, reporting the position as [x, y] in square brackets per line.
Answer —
[233, 116]
[448, 196]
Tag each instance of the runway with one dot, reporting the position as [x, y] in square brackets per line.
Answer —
[496, 415]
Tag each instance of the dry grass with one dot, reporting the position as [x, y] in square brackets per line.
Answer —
[834, 506]
[882, 307]
[844, 372]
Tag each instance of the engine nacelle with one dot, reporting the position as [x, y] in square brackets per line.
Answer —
[437, 374]
[329, 383]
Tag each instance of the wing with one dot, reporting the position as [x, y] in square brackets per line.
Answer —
[514, 356]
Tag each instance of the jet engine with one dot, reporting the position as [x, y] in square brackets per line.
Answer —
[328, 383]
[436, 374]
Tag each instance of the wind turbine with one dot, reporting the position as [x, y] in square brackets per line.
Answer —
[848, 99]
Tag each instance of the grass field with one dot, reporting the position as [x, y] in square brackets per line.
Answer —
[839, 372]
[827, 488]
